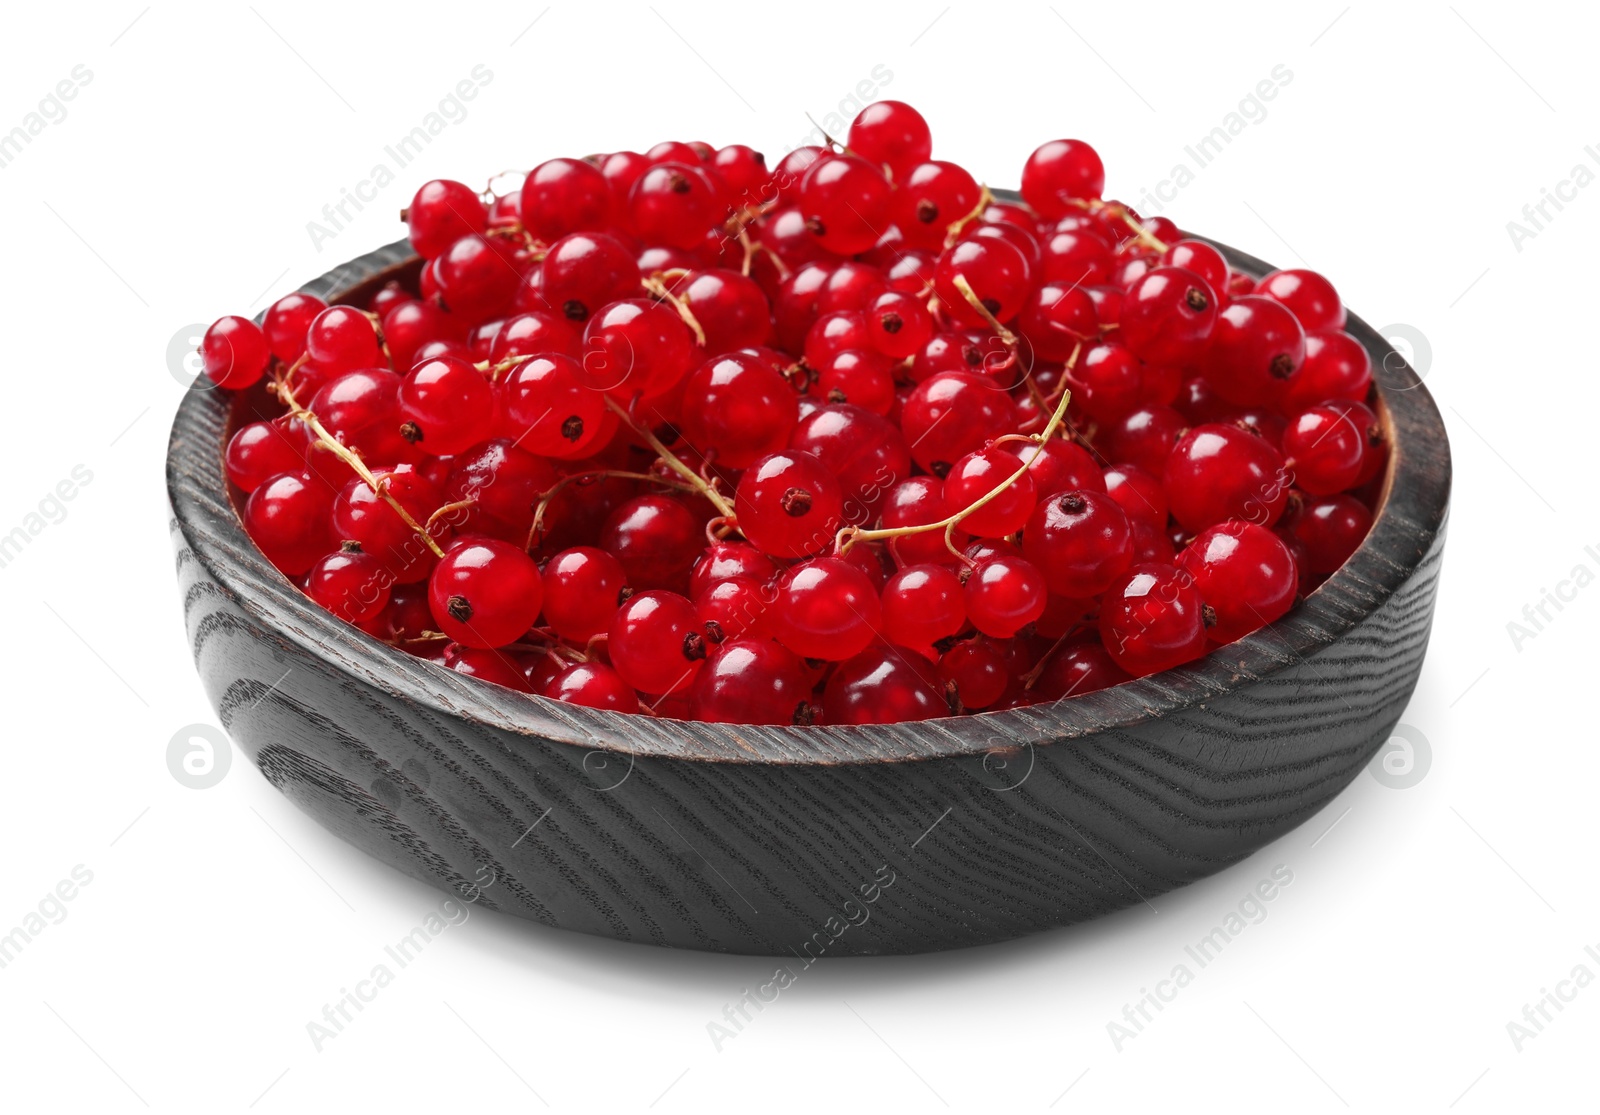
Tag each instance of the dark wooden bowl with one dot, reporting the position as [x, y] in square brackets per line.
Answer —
[810, 841]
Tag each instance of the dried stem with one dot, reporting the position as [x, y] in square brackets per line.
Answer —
[715, 498]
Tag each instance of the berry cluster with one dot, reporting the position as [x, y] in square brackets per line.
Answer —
[843, 440]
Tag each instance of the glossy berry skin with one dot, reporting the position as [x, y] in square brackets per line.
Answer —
[1080, 540]
[502, 481]
[974, 477]
[845, 201]
[448, 405]
[865, 451]
[931, 197]
[898, 324]
[1140, 493]
[586, 270]
[745, 171]
[674, 204]
[1202, 259]
[1077, 255]
[1168, 316]
[1326, 446]
[349, 583]
[751, 681]
[342, 339]
[476, 280]
[635, 347]
[656, 643]
[1145, 437]
[1219, 472]
[234, 352]
[1152, 619]
[977, 670]
[286, 323]
[411, 326]
[583, 587]
[440, 213]
[1310, 297]
[562, 196]
[485, 593]
[1244, 573]
[1331, 528]
[592, 685]
[826, 608]
[1059, 465]
[1004, 594]
[260, 451]
[656, 539]
[287, 517]
[547, 410]
[923, 604]
[1059, 319]
[735, 608]
[861, 377]
[1076, 670]
[918, 501]
[883, 685]
[487, 665]
[534, 333]
[1059, 172]
[1336, 366]
[730, 307]
[996, 271]
[892, 134]
[722, 561]
[739, 407]
[1256, 348]
[952, 414]
[789, 505]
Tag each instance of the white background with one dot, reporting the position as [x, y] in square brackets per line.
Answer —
[219, 922]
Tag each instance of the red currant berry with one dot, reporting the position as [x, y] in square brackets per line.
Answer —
[1140, 493]
[592, 685]
[656, 643]
[583, 587]
[549, 411]
[883, 685]
[342, 339]
[974, 477]
[1076, 670]
[931, 198]
[1059, 173]
[410, 326]
[736, 608]
[994, 270]
[1168, 316]
[234, 352]
[487, 665]
[1060, 466]
[586, 270]
[674, 204]
[656, 539]
[789, 505]
[745, 171]
[730, 308]
[826, 608]
[287, 517]
[845, 200]
[898, 325]
[914, 502]
[1005, 594]
[978, 672]
[865, 451]
[1202, 259]
[476, 280]
[485, 593]
[1256, 348]
[1244, 573]
[286, 324]
[1058, 320]
[1079, 256]
[534, 334]
[447, 404]
[442, 212]
[862, 377]
[739, 406]
[1308, 295]
[1326, 446]
[503, 483]
[1336, 366]
[262, 450]
[1221, 472]
[1080, 540]
[565, 195]
[952, 414]
[1331, 528]
[722, 561]
[751, 681]
[1146, 437]
[636, 347]
[923, 604]
[1153, 619]
[892, 134]
[351, 584]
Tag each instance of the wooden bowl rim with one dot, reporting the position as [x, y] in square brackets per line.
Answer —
[1412, 510]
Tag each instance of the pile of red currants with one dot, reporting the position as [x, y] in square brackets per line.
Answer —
[845, 440]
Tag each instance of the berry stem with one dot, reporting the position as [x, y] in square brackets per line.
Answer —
[715, 498]
[657, 287]
[1005, 335]
[849, 536]
[956, 227]
[537, 529]
[314, 424]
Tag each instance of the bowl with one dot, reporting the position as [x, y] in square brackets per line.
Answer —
[813, 841]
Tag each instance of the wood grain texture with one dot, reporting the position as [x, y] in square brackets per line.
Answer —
[750, 839]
